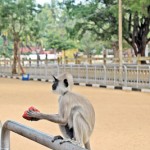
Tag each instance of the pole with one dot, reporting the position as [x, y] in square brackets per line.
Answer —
[120, 40]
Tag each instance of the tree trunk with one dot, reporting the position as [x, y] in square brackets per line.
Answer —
[16, 59]
[134, 48]
[19, 64]
[115, 48]
[142, 51]
[14, 68]
[138, 37]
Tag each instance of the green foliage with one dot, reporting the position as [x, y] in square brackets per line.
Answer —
[52, 22]
[60, 43]
[95, 26]
[139, 6]
[100, 17]
[5, 49]
[16, 17]
[94, 17]
[90, 46]
[88, 25]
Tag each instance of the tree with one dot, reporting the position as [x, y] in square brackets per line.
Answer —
[89, 45]
[100, 17]
[94, 17]
[16, 17]
[137, 26]
[53, 28]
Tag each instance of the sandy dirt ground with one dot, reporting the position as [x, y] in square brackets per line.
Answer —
[122, 117]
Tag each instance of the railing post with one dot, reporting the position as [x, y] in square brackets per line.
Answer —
[104, 57]
[115, 75]
[58, 60]
[126, 75]
[95, 72]
[0, 133]
[137, 76]
[29, 62]
[149, 75]
[5, 139]
[86, 66]
[46, 60]
[105, 74]
[33, 135]
[45, 71]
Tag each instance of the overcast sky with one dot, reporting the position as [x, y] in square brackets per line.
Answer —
[48, 1]
[42, 1]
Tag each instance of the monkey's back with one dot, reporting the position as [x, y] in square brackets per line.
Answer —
[75, 102]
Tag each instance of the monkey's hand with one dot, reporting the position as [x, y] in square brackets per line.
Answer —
[34, 114]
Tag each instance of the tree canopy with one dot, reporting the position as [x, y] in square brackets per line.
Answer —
[16, 18]
[88, 25]
[100, 17]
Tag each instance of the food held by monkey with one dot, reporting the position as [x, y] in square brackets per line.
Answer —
[76, 116]
[25, 114]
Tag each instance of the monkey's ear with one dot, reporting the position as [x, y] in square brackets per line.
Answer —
[66, 82]
[54, 78]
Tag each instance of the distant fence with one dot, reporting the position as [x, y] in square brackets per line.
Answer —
[137, 76]
[103, 59]
[33, 135]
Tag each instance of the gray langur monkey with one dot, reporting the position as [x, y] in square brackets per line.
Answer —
[76, 116]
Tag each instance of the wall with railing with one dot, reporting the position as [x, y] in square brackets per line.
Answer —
[137, 76]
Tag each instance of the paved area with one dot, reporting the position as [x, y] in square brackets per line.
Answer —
[122, 117]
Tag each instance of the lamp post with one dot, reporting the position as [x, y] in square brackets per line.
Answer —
[120, 39]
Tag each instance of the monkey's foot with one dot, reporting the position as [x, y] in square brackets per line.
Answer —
[71, 141]
[58, 137]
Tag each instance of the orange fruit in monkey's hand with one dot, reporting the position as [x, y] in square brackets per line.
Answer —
[25, 115]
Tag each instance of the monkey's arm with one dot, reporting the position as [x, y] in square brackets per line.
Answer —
[56, 118]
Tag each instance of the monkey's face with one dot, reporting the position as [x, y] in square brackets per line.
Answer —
[55, 84]
[60, 85]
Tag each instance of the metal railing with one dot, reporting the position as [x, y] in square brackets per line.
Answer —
[137, 76]
[33, 135]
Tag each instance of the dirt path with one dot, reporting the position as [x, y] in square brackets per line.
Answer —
[122, 118]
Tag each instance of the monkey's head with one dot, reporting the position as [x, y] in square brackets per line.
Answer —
[62, 83]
